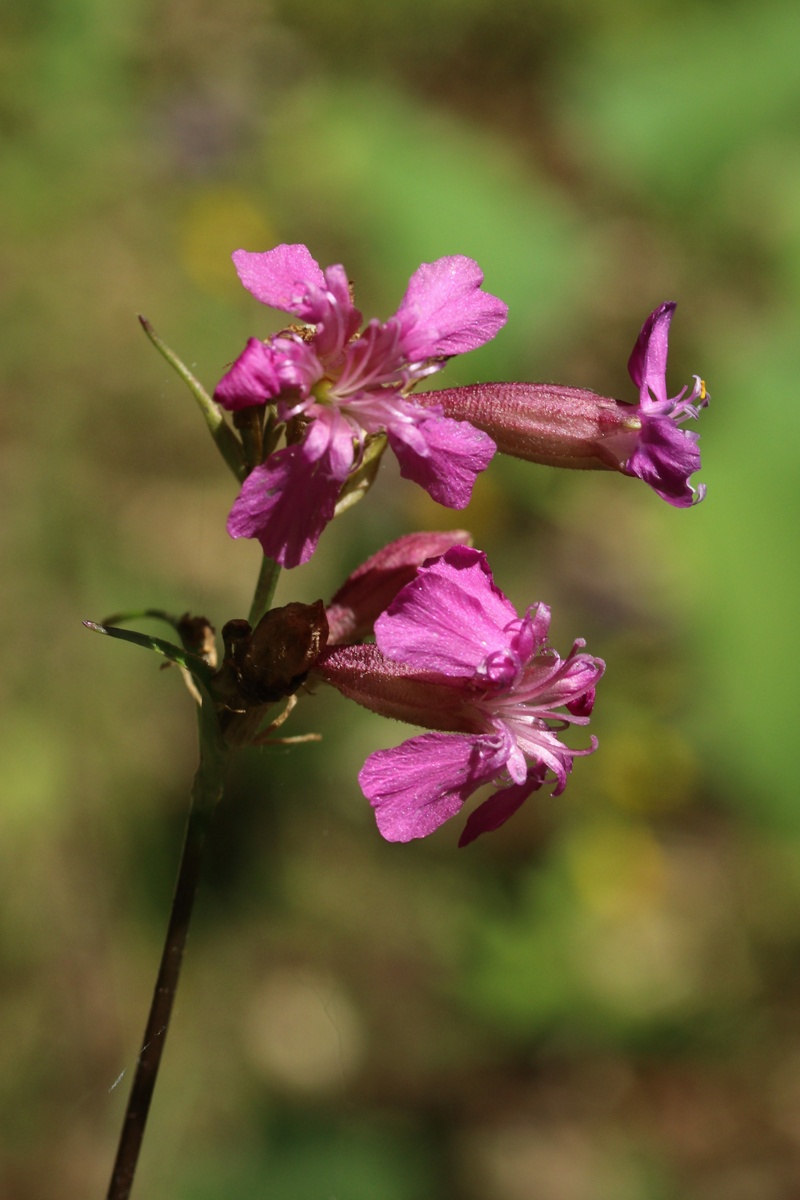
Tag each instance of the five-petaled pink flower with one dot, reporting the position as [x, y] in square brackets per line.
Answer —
[572, 427]
[453, 655]
[345, 385]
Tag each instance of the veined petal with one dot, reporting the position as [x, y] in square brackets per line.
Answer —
[280, 277]
[418, 786]
[549, 682]
[529, 632]
[253, 379]
[516, 764]
[338, 286]
[665, 456]
[546, 751]
[448, 619]
[501, 805]
[444, 310]
[331, 309]
[287, 501]
[330, 437]
[443, 456]
[300, 369]
[647, 364]
[371, 588]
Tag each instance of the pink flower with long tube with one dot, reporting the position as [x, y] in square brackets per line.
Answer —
[452, 655]
[344, 385]
[572, 427]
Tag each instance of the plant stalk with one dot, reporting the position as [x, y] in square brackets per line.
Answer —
[265, 589]
[206, 791]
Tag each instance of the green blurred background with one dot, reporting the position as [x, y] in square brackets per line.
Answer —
[601, 1001]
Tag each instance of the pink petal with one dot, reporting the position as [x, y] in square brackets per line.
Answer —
[372, 586]
[418, 786]
[550, 682]
[665, 456]
[253, 378]
[331, 309]
[543, 747]
[445, 312]
[449, 618]
[501, 805]
[647, 365]
[441, 455]
[287, 501]
[280, 277]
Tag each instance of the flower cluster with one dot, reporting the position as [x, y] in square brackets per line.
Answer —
[453, 655]
[450, 653]
[344, 385]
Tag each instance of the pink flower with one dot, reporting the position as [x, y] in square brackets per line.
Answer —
[571, 427]
[348, 385]
[453, 655]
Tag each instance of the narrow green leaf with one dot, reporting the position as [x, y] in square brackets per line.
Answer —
[199, 670]
[228, 444]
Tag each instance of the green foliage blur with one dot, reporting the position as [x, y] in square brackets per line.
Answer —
[601, 1001]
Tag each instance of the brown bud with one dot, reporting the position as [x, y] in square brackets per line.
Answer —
[272, 660]
[197, 635]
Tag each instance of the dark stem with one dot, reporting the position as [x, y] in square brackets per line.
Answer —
[206, 790]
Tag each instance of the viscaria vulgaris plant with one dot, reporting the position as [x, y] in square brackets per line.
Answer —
[421, 632]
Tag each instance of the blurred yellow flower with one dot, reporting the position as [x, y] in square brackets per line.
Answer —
[217, 221]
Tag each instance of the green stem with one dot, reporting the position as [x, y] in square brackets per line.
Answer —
[206, 791]
[265, 590]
